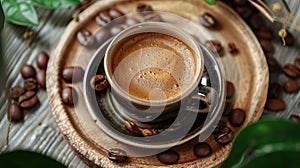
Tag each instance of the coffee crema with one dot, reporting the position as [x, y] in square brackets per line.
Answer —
[153, 66]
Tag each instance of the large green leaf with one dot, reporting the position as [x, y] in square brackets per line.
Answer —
[24, 159]
[20, 12]
[55, 4]
[261, 138]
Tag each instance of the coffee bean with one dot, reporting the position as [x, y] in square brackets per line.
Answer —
[131, 21]
[226, 138]
[117, 155]
[275, 104]
[133, 128]
[222, 134]
[275, 90]
[103, 18]
[237, 117]
[297, 63]
[99, 82]
[16, 92]
[265, 33]
[115, 13]
[42, 60]
[28, 99]
[266, 45]
[149, 132]
[215, 46]
[41, 78]
[73, 74]
[101, 36]
[291, 86]
[152, 17]
[202, 149]
[208, 20]
[116, 29]
[30, 84]
[256, 21]
[231, 47]
[27, 71]
[143, 8]
[168, 157]
[85, 38]
[15, 113]
[291, 71]
[295, 118]
[240, 2]
[273, 64]
[69, 96]
[230, 89]
[244, 11]
[289, 39]
[227, 107]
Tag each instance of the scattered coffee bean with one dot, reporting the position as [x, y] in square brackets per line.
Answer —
[27, 71]
[149, 132]
[289, 39]
[99, 82]
[230, 89]
[231, 47]
[273, 64]
[208, 20]
[115, 13]
[15, 113]
[297, 63]
[222, 134]
[103, 18]
[16, 92]
[143, 8]
[133, 128]
[41, 78]
[265, 33]
[244, 11]
[275, 104]
[101, 36]
[85, 38]
[295, 118]
[117, 155]
[266, 45]
[275, 90]
[237, 117]
[131, 21]
[30, 84]
[168, 157]
[256, 21]
[215, 46]
[291, 86]
[116, 29]
[228, 107]
[152, 17]
[42, 60]
[202, 149]
[28, 99]
[291, 71]
[73, 74]
[69, 96]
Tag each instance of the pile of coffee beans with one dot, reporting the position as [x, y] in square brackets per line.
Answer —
[23, 97]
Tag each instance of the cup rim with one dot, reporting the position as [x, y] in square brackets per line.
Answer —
[138, 28]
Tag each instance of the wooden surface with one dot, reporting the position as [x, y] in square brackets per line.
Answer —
[39, 131]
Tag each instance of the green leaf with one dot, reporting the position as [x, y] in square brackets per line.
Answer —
[286, 5]
[261, 138]
[55, 4]
[211, 2]
[23, 159]
[20, 12]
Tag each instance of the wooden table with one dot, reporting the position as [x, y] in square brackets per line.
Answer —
[39, 131]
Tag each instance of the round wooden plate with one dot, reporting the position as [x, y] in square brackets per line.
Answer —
[247, 70]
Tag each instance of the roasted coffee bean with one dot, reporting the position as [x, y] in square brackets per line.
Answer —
[202, 149]
[133, 128]
[168, 157]
[256, 21]
[16, 92]
[208, 20]
[28, 99]
[275, 104]
[73, 74]
[15, 113]
[227, 107]
[152, 17]
[291, 71]
[30, 84]
[230, 89]
[116, 29]
[149, 132]
[143, 8]
[41, 78]
[69, 96]
[297, 63]
[27, 71]
[244, 11]
[101, 36]
[273, 64]
[103, 18]
[215, 46]
[85, 38]
[291, 86]
[222, 134]
[226, 138]
[99, 82]
[275, 90]
[265, 33]
[289, 39]
[237, 117]
[42, 60]
[117, 155]
[295, 118]
[131, 21]
[266, 45]
[115, 13]
[231, 47]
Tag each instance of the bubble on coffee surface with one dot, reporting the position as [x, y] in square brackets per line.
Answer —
[147, 61]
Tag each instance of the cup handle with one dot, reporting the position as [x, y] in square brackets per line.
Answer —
[203, 100]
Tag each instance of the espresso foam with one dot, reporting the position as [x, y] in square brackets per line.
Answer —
[153, 66]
